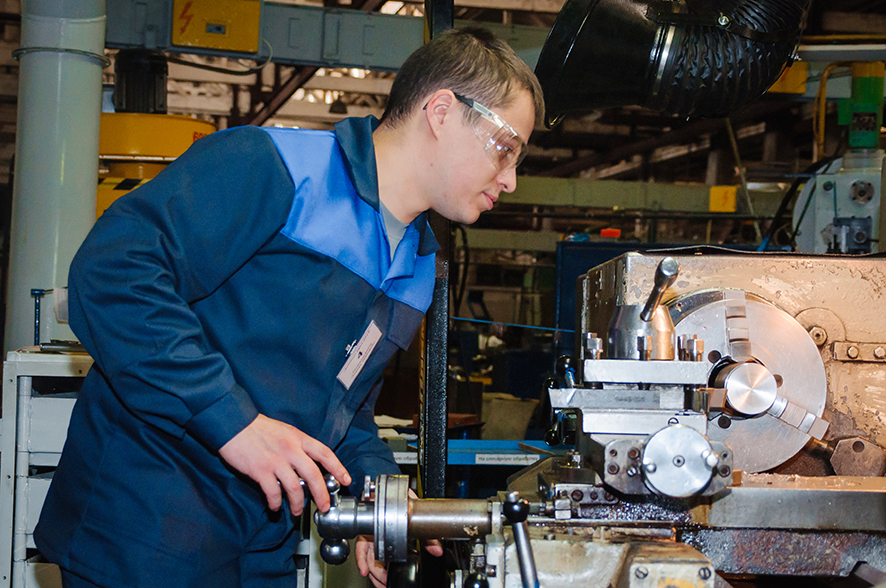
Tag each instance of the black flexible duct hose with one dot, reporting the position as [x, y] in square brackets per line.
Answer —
[708, 60]
[712, 71]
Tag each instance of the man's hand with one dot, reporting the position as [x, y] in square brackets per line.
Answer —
[368, 565]
[377, 572]
[276, 455]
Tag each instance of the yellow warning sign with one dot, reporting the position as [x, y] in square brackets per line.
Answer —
[723, 198]
[217, 24]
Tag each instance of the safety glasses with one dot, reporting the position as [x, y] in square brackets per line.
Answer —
[500, 141]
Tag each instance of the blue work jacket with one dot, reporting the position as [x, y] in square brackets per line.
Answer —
[234, 283]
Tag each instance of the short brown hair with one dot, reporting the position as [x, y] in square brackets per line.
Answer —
[470, 61]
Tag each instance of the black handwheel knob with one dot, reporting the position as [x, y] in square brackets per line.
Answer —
[335, 551]
[476, 580]
[516, 509]
[552, 437]
[564, 363]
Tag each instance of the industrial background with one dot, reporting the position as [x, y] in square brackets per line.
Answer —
[744, 137]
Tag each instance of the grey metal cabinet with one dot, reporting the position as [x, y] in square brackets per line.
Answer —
[39, 390]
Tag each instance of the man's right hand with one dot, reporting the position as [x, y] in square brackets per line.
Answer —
[277, 456]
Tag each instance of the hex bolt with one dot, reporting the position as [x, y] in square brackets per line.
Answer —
[594, 495]
[650, 468]
[819, 335]
[577, 495]
[679, 460]
[880, 353]
[852, 352]
[704, 573]
[612, 469]
[641, 572]
[634, 453]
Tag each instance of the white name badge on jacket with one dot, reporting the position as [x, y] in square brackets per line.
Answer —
[358, 354]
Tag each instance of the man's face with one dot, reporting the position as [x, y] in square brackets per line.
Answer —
[470, 179]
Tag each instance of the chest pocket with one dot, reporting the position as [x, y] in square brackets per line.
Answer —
[398, 323]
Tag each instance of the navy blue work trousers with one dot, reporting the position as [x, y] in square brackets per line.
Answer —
[266, 568]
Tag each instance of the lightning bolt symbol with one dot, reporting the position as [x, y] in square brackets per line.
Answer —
[185, 17]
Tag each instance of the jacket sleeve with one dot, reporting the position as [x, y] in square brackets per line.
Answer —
[361, 451]
[160, 248]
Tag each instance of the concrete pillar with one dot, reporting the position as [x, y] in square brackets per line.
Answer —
[56, 156]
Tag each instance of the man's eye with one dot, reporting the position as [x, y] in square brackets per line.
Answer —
[504, 154]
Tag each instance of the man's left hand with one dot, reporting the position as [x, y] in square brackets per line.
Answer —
[377, 571]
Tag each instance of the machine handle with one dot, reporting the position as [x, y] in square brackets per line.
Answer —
[516, 510]
[665, 275]
[335, 551]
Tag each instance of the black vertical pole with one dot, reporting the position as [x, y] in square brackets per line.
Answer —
[438, 17]
[432, 450]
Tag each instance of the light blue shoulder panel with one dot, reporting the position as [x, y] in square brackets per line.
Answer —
[329, 217]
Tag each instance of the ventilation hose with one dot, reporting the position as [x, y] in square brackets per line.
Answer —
[708, 60]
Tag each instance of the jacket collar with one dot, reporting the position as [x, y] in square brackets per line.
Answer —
[355, 141]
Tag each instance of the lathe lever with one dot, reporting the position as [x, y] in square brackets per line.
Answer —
[516, 510]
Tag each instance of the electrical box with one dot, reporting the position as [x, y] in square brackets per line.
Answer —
[231, 25]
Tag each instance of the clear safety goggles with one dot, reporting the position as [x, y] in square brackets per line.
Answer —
[500, 141]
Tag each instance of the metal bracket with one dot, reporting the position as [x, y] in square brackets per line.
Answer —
[865, 352]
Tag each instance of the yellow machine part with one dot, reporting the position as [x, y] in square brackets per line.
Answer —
[792, 79]
[148, 137]
[136, 147]
[217, 24]
[109, 189]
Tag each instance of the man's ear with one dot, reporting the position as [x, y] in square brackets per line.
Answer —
[438, 109]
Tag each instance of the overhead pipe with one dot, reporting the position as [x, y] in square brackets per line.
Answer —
[708, 59]
[56, 156]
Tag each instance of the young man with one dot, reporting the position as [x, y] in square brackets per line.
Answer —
[240, 309]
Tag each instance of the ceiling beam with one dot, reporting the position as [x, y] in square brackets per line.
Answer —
[380, 86]
[684, 134]
[548, 6]
[284, 93]
[854, 22]
[293, 112]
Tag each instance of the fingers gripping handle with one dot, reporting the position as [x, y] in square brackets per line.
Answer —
[333, 550]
